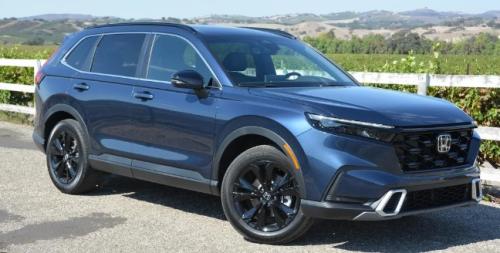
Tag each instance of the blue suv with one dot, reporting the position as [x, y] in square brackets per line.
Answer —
[253, 115]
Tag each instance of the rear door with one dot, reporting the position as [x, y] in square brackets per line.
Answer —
[102, 89]
[174, 127]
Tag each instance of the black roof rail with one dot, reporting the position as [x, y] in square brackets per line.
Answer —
[275, 31]
[181, 26]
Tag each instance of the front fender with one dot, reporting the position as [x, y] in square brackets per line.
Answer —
[265, 128]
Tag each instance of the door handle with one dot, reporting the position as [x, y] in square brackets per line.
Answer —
[143, 95]
[81, 86]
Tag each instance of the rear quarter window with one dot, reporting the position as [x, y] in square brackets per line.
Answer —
[118, 54]
[81, 56]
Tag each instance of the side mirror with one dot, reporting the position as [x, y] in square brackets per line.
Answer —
[188, 79]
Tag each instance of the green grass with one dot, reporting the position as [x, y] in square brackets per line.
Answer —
[18, 118]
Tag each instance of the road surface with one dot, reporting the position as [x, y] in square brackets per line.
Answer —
[127, 215]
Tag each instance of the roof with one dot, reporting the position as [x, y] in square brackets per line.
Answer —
[205, 29]
[215, 30]
[182, 26]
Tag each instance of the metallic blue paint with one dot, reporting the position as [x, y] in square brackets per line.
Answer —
[373, 105]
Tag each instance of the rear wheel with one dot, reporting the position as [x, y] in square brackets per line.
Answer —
[66, 154]
[261, 198]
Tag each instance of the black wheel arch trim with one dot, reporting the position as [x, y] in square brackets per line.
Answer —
[269, 134]
[66, 109]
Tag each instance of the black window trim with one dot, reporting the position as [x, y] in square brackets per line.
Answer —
[90, 54]
[145, 58]
[94, 49]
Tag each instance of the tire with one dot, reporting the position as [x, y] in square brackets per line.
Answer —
[267, 212]
[66, 153]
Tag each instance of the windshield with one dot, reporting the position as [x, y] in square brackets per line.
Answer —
[272, 61]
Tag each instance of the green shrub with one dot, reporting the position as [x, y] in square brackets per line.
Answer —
[20, 75]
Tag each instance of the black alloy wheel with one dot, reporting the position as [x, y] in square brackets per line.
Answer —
[261, 196]
[64, 156]
[266, 196]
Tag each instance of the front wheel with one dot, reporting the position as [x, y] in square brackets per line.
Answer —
[261, 199]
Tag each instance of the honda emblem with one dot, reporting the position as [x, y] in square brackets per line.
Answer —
[443, 143]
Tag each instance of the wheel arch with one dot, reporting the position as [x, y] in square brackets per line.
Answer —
[57, 113]
[276, 136]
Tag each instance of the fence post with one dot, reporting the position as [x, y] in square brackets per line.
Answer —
[422, 87]
[36, 67]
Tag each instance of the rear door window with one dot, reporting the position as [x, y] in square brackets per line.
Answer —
[81, 56]
[118, 54]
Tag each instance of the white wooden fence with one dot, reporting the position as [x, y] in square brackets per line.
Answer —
[27, 88]
[422, 81]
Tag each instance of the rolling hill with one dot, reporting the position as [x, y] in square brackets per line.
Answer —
[450, 26]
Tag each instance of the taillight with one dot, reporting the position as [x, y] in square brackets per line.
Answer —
[39, 77]
[40, 74]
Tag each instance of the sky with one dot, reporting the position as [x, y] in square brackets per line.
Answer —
[192, 8]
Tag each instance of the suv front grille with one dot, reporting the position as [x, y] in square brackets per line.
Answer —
[417, 151]
[438, 197]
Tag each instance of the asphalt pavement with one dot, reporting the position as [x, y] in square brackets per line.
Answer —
[128, 215]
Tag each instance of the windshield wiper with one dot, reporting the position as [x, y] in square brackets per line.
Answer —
[337, 84]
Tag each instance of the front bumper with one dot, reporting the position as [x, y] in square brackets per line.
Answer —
[394, 203]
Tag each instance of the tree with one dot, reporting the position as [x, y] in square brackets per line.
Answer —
[35, 41]
[403, 42]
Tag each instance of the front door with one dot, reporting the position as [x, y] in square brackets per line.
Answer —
[174, 128]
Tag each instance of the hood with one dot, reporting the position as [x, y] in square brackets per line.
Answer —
[372, 105]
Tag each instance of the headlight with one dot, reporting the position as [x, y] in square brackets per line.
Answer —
[351, 127]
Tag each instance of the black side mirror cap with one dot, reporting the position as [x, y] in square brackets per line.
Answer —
[187, 79]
